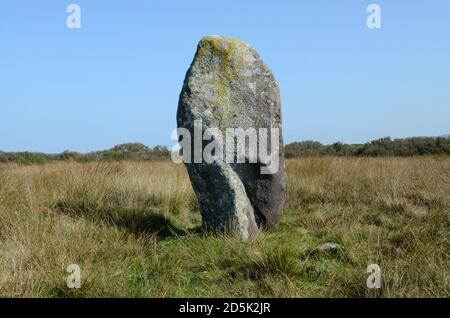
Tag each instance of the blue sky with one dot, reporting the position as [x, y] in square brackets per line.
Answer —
[117, 79]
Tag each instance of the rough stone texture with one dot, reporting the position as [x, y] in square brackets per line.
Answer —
[229, 86]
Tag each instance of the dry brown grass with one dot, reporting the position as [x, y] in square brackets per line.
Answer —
[133, 229]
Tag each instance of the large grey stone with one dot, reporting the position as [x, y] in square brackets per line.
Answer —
[229, 86]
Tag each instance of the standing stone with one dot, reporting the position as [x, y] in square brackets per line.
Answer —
[229, 86]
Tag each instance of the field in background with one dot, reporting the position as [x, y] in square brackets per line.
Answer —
[133, 227]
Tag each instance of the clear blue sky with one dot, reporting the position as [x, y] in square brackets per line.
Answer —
[117, 79]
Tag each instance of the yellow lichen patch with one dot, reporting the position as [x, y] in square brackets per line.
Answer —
[223, 57]
[223, 109]
[228, 51]
[219, 105]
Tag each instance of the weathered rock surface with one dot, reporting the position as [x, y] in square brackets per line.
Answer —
[229, 86]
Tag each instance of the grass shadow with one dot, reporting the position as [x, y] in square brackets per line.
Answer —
[139, 222]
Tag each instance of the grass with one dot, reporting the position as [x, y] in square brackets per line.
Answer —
[133, 227]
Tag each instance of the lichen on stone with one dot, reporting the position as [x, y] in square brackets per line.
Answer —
[222, 58]
[228, 53]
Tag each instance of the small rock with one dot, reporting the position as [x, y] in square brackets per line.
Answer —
[329, 246]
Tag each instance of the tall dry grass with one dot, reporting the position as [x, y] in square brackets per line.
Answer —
[133, 227]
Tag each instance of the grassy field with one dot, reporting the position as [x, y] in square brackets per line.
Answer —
[133, 227]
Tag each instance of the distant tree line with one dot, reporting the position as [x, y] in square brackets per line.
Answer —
[136, 151]
[128, 151]
[383, 147]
